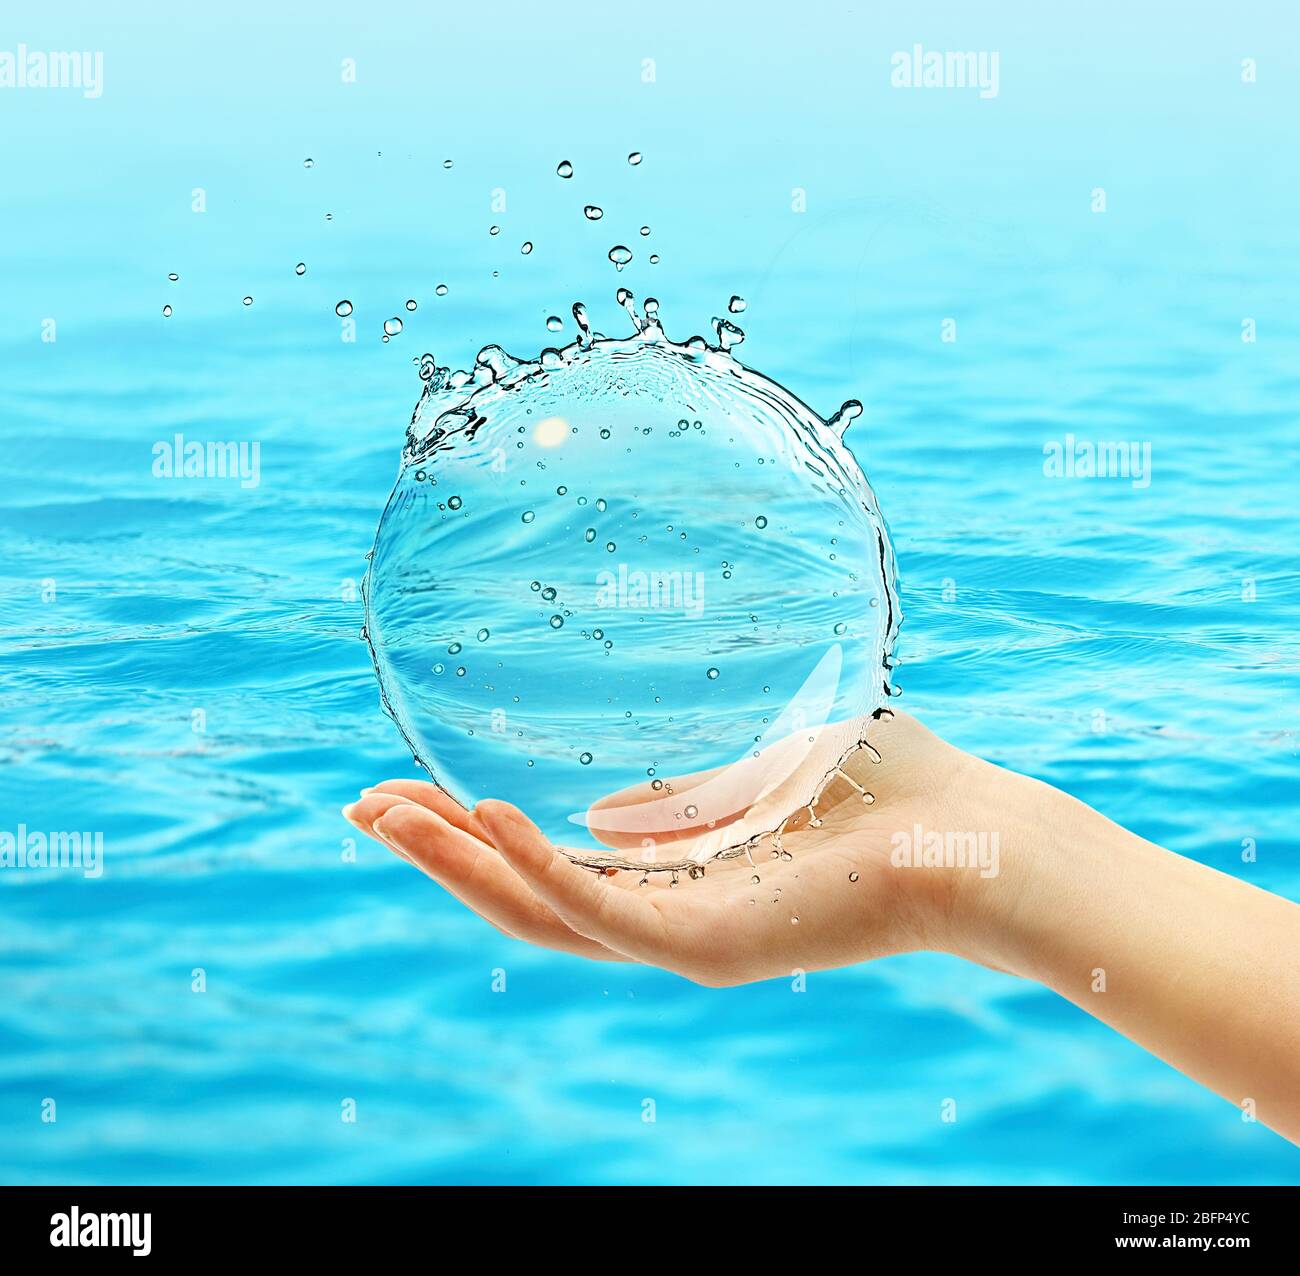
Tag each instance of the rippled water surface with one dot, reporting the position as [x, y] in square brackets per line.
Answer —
[183, 670]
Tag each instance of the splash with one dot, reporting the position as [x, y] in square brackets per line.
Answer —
[634, 587]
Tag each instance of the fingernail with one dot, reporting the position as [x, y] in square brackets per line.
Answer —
[347, 810]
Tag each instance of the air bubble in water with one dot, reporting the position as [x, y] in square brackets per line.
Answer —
[711, 674]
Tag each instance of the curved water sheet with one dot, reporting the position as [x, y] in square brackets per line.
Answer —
[633, 587]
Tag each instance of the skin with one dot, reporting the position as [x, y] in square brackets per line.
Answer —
[1196, 966]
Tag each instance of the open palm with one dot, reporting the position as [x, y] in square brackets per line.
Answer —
[825, 895]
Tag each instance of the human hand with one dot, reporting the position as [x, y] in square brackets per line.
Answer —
[825, 894]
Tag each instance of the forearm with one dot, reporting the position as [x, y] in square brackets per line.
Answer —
[1196, 966]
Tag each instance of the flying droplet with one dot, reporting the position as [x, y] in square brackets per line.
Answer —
[392, 326]
[593, 213]
[564, 168]
[441, 290]
[527, 516]
[634, 158]
[446, 163]
[654, 259]
[300, 268]
[167, 312]
[173, 277]
[737, 305]
[645, 230]
[555, 323]
[494, 230]
[343, 309]
[248, 301]
[308, 163]
[620, 256]
[484, 635]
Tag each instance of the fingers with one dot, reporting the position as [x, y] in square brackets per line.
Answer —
[471, 871]
[435, 798]
[621, 920]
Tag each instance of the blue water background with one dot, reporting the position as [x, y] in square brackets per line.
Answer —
[1133, 645]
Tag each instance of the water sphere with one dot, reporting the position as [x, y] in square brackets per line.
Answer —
[667, 580]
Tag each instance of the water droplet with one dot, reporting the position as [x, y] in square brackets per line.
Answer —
[484, 635]
[737, 305]
[446, 163]
[593, 213]
[554, 323]
[692, 811]
[248, 301]
[392, 326]
[308, 163]
[620, 256]
[645, 230]
[760, 521]
[634, 158]
[853, 877]
[711, 674]
[589, 535]
[411, 305]
[564, 169]
[173, 277]
[167, 312]
[526, 247]
[441, 290]
[585, 759]
[654, 259]
[494, 230]
[454, 649]
[454, 502]
[557, 622]
[850, 411]
[528, 516]
[343, 309]
[841, 628]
